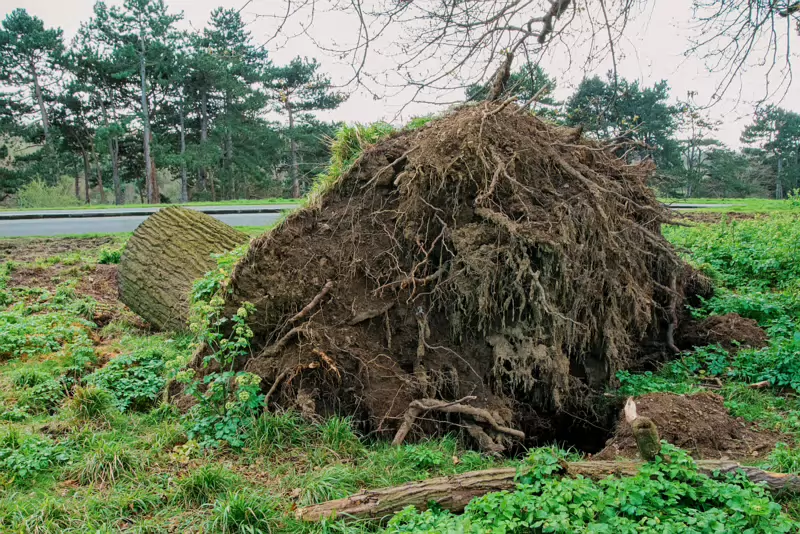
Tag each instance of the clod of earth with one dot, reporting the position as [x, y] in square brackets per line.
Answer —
[699, 423]
[731, 331]
[166, 254]
[489, 272]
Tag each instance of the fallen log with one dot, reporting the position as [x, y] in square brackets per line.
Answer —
[166, 254]
[455, 492]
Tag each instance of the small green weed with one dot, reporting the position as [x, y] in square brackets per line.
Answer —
[22, 455]
[92, 403]
[109, 256]
[43, 398]
[27, 377]
[106, 462]
[242, 513]
[667, 495]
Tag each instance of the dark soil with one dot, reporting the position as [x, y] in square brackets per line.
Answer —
[731, 331]
[500, 266]
[698, 423]
[28, 250]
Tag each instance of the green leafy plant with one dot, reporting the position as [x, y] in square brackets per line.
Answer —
[203, 485]
[24, 455]
[227, 401]
[136, 380]
[43, 398]
[109, 256]
[668, 495]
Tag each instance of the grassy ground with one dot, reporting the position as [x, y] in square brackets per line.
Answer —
[86, 444]
[740, 205]
[244, 202]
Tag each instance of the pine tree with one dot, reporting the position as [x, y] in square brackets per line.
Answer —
[141, 35]
[299, 87]
[28, 58]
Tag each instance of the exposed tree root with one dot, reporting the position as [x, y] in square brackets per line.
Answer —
[370, 314]
[311, 305]
[273, 349]
[420, 406]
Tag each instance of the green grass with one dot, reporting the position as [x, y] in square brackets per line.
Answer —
[241, 202]
[86, 444]
[739, 205]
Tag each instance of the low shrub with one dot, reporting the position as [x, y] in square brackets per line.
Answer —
[37, 194]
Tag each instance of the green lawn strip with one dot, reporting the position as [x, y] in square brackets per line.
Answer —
[739, 205]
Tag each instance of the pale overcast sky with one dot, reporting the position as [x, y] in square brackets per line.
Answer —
[652, 50]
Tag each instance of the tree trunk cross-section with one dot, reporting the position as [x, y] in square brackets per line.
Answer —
[166, 254]
[455, 492]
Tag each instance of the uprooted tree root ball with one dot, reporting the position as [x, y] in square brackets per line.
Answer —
[488, 272]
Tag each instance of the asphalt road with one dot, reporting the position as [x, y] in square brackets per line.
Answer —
[81, 222]
[98, 225]
[130, 211]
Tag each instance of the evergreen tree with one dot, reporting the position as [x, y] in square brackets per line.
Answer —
[626, 113]
[299, 87]
[141, 35]
[29, 54]
[777, 132]
[528, 82]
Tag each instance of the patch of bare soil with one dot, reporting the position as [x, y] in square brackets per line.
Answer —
[731, 331]
[698, 423]
[27, 250]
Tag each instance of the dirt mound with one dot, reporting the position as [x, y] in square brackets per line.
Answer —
[699, 423]
[488, 270]
[731, 331]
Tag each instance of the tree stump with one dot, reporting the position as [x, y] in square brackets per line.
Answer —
[169, 251]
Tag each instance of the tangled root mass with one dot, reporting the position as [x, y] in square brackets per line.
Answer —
[488, 270]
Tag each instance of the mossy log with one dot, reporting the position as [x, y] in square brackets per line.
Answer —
[455, 492]
[166, 254]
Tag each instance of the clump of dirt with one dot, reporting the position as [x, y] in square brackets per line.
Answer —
[27, 250]
[698, 423]
[489, 271]
[731, 331]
